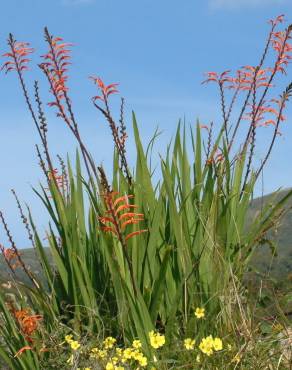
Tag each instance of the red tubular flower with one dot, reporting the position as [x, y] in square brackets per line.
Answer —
[121, 215]
[17, 57]
[280, 43]
[221, 78]
[106, 91]
[261, 119]
[55, 64]
[28, 324]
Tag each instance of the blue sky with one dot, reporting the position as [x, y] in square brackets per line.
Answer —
[157, 51]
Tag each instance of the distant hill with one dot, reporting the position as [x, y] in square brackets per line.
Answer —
[263, 261]
[278, 267]
[31, 261]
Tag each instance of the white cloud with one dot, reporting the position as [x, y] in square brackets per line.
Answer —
[236, 4]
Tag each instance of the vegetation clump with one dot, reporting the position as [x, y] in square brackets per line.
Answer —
[145, 274]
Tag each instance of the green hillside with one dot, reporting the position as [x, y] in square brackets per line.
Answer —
[278, 266]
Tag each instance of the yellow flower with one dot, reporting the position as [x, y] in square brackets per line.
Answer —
[206, 345]
[74, 345]
[109, 342]
[200, 312]
[97, 353]
[229, 347]
[68, 338]
[156, 340]
[189, 343]
[127, 354]
[137, 344]
[143, 361]
[217, 344]
[110, 366]
[132, 353]
[198, 358]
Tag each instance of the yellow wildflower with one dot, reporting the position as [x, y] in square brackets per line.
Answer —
[68, 338]
[189, 343]
[97, 353]
[143, 362]
[109, 342]
[156, 340]
[74, 345]
[110, 366]
[217, 344]
[200, 312]
[138, 356]
[137, 344]
[206, 345]
[127, 354]
[198, 358]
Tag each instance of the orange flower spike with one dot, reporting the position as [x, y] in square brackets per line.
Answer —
[54, 65]
[120, 220]
[105, 90]
[19, 50]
